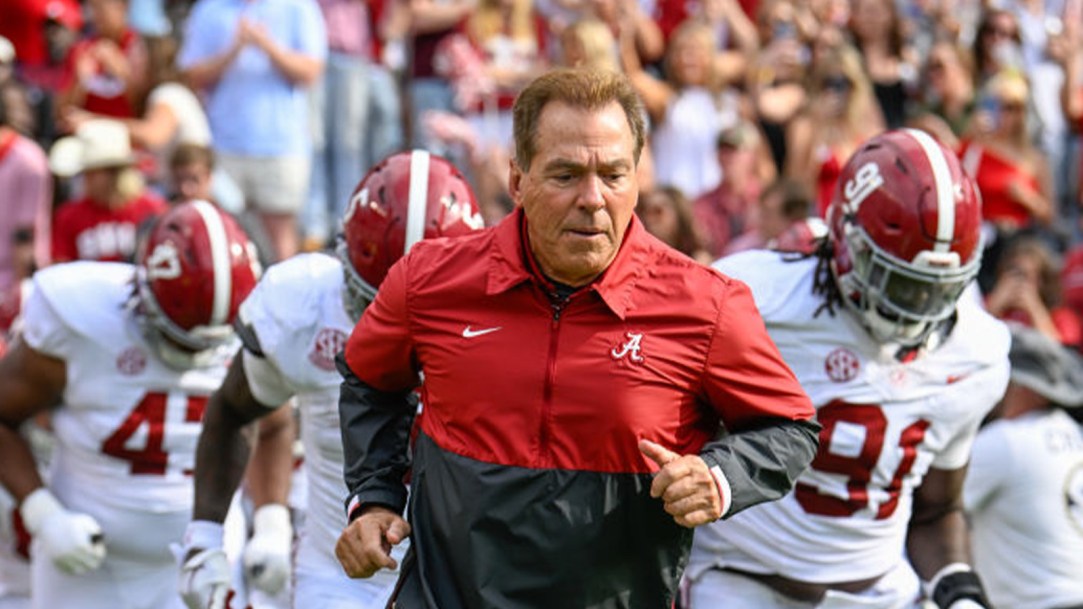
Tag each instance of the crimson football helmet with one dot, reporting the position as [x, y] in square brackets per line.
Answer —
[193, 270]
[905, 226]
[407, 197]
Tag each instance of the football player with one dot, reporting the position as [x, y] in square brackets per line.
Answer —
[292, 326]
[901, 369]
[126, 356]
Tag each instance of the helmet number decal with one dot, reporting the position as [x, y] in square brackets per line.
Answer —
[866, 180]
[164, 262]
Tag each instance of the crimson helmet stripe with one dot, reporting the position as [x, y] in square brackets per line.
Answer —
[945, 191]
[418, 200]
[223, 277]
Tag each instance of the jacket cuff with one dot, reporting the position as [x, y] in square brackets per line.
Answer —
[363, 499]
[725, 494]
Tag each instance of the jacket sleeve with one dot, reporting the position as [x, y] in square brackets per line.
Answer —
[376, 403]
[375, 441]
[770, 433]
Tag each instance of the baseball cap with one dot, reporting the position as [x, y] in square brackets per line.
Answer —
[1046, 367]
[96, 144]
[739, 135]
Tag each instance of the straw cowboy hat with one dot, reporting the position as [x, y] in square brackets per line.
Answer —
[96, 144]
[1046, 367]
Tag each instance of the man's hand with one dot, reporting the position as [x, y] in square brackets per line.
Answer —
[267, 554]
[685, 484]
[204, 579]
[71, 540]
[364, 547]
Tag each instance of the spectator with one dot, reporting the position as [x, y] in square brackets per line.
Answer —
[18, 113]
[254, 61]
[947, 94]
[1071, 281]
[667, 214]
[172, 115]
[996, 45]
[781, 221]
[116, 353]
[341, 119]
[1024, 488]
[589, 43]
[1011, 172]
[776, 79]
[25, 214]
[840, 114]
[1027, 290]
[106, 73]
[730, 209]
[544, 463]
[687, 110]
[41, 33]
[901, 371]
[102, 224]
[431, 21]
[890, 62]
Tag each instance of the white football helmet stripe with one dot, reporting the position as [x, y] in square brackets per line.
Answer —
[945, 190]
[223, 278]
[419, 198]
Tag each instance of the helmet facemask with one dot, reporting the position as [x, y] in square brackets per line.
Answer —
[898, 301]
[358, 293]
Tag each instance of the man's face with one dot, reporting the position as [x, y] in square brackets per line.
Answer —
[102, 185]
[192, 181]
[580, 191]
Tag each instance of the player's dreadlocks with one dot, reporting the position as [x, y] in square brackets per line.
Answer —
[823, 282]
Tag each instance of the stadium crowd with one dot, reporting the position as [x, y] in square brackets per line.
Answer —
[114, 112]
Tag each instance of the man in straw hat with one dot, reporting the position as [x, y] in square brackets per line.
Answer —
[1024, 491]
[102, 223]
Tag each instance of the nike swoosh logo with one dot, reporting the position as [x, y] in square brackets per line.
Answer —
[468, 332]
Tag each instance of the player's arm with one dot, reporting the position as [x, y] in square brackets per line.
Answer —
[938, 544]
[31, 382]
[230, 433]
[376, 413]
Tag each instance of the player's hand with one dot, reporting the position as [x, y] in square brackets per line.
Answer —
[73, 541]
[267, 554]
[364, 547]
[685, 484]
[204, 578]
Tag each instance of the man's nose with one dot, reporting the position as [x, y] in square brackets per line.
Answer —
[590, 192]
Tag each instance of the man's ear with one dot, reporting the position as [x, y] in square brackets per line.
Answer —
[515, 178]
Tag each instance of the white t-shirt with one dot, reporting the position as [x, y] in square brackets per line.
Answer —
[192, 125]
[1024, 497]
[885, 423]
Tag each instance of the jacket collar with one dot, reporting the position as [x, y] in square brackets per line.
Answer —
[511, 263]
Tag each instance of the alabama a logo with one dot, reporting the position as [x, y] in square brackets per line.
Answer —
[630, 349]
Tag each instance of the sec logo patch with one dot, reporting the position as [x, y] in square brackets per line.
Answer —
[841, 365]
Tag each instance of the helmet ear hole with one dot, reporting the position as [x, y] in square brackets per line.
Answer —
[905, 225]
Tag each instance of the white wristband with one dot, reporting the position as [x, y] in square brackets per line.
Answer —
[955, 567]
[36, 507]
[203, 534]
[272, 518]
[725, 493]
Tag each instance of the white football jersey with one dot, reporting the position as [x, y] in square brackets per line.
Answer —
[298, 315]
[127, 430]
[885, 423]
[1024, 499]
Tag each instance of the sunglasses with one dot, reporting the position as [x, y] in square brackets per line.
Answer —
[836, 83]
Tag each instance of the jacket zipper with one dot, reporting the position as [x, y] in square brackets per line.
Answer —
[558, 305]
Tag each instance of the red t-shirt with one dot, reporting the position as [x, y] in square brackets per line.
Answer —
[994, 176]
[106, 94]
[84, 230]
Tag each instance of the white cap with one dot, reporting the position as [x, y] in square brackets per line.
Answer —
[97, 143]
[7, 51]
